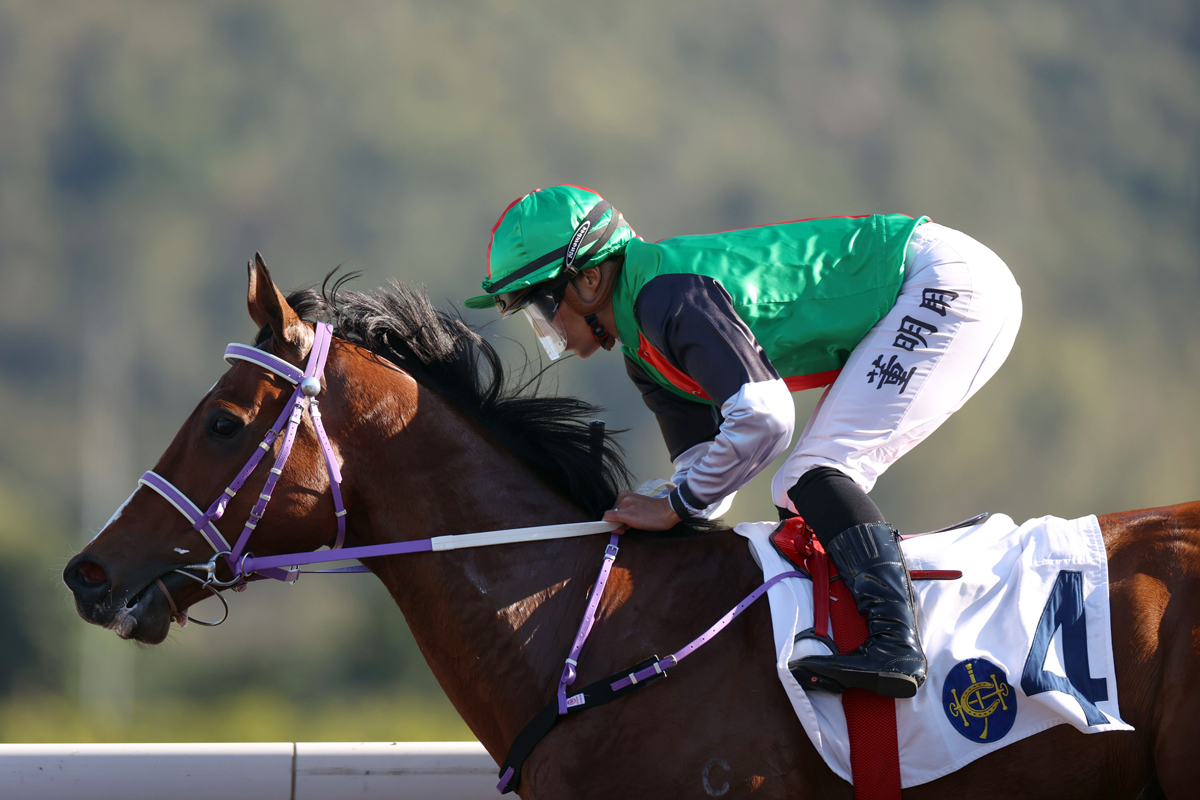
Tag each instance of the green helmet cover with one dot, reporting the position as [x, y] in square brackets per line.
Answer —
[546, 232]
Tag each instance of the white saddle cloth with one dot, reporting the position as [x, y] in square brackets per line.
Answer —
[1001, 642]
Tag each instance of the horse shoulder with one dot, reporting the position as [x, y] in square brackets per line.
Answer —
[719, 724]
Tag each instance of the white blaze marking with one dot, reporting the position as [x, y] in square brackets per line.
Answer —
[181, 551]
[116, 515]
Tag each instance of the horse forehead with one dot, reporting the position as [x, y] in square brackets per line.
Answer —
[248, 386]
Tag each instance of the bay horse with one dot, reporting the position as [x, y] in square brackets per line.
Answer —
[432, 439]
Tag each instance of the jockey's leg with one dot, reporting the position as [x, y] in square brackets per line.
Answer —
[868, 558]
[830, 501]
[952, 326]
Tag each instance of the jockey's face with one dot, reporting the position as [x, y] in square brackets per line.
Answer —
[586, 287]
[579, 336]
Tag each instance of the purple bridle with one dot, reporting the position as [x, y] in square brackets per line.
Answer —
[304, 396]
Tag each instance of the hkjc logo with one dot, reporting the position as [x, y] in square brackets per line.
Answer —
[576, 241]
[978, 700]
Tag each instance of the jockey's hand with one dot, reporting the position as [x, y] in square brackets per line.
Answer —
[642, 512]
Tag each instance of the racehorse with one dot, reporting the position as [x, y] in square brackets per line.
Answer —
[432, 438]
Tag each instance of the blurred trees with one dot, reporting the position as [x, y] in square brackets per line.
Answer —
[147, 151]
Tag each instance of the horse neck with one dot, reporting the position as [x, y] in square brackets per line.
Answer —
[474, 613]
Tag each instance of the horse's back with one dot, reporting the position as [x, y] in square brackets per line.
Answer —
[1154, 589]
[729, 729]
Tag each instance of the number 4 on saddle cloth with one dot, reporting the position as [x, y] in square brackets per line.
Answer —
[1019, 643]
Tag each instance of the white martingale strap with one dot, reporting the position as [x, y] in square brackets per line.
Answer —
[185, 507]
[540, 533]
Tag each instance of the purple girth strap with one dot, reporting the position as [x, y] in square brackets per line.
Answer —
[585, 627]
[695, 644]
[308, 386]
[526, 740]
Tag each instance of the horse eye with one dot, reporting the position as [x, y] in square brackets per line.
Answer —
[224, 426]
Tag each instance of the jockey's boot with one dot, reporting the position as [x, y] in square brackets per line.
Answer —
[891, 662]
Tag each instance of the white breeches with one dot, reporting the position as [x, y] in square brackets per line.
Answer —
[953, 324]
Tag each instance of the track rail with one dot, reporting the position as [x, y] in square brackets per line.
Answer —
[254, 771]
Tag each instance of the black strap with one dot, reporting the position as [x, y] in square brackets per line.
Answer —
[600, 237]
[596, 440]
[593, 235]
[590, 696]
[599, 332]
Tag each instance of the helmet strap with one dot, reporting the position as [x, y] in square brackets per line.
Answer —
[599, 331]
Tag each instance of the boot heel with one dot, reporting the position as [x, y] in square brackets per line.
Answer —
[811, 681]
[895, 685]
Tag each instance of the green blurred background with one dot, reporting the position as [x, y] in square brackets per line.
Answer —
[148, 149]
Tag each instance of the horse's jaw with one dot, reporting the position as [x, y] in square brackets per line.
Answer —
[144, 617]
[147, 620]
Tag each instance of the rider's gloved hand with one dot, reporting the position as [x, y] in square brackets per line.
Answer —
[642, 512]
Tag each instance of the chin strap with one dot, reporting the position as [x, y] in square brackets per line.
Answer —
[599, 331]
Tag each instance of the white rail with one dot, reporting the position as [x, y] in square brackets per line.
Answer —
[254, 771]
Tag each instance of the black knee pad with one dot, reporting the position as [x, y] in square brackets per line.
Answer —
[831, 502]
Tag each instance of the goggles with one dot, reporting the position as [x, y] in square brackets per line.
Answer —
[540, 304]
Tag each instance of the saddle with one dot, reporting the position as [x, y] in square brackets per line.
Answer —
[870, 719]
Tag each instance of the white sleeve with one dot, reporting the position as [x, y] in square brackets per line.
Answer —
[758, 424]
[682, 465]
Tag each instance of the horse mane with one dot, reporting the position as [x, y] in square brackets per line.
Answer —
[548, 432]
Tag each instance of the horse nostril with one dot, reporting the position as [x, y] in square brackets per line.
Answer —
[91, 573]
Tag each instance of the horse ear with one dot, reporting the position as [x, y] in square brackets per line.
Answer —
[268, 306]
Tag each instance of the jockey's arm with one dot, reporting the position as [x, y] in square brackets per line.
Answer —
[688, 429]
[716, 449]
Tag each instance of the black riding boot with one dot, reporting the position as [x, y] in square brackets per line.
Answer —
[891, 662]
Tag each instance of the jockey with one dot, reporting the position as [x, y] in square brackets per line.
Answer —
[900, 318]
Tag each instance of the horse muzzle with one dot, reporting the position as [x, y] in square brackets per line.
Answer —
[144, 615]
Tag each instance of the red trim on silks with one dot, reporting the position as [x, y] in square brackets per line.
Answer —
[798, 383]
[683, 381]
[582, 188]
[508, 208]
[492, 237]
[870, 719]
[678, 379]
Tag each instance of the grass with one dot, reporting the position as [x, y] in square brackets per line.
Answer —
[248, 717]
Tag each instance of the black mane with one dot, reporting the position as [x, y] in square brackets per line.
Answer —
[548, 432]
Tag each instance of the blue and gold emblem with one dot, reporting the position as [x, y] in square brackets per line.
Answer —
[978, 700]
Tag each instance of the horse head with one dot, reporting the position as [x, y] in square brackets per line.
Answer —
[129, 578]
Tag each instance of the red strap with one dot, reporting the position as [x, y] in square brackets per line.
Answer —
[870, 719]
[935, 574]
[819, 568]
